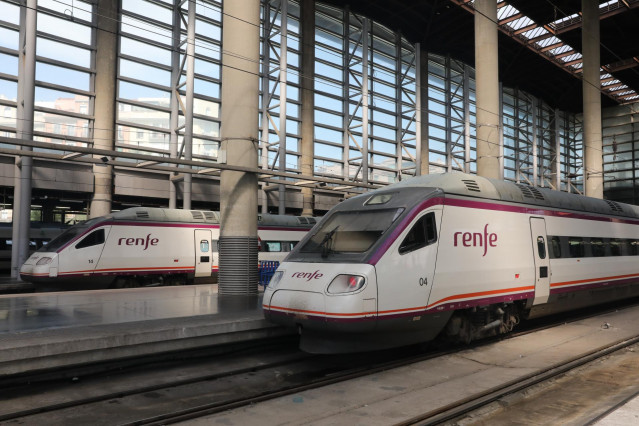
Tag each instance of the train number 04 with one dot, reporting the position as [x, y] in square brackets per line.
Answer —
[423, 281]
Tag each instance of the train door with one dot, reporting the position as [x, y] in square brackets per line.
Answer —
[203, 253]
[406, 277]
[541, 256]
[83, 256]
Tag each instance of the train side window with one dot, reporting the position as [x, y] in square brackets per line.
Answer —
[273, 246]
[93, 239]
[597, 247]
[633, 245]
[541, 247]
[576, 246]
[214, 246]
[616, 247]
[287, 245]
[555, 245]
[423, 233]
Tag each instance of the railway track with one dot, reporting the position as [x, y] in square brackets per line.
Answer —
[458, 412]
[166, 393]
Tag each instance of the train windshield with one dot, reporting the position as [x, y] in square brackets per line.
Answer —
[351, 231]
[58, 242]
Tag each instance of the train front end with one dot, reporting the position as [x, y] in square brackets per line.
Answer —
[327, 287]
[42, 267]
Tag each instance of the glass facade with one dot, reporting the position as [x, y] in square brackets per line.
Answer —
[64, 71]
[146, 67]
[365, 99]
[368, 115]
[621, 153]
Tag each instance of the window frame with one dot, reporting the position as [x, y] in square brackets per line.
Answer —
[426, 221]
[79, 245]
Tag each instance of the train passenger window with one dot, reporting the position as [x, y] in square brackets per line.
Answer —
[93, 239]
[422, 234]
[541, 247]
[273, 246]
[555, 244]
[576, 246]
[287, 245]
[597, 247]
[616, 246]
[214, 246]
[634, 247]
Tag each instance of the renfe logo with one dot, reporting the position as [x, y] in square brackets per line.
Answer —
[308, 275]
[139, 241]
[477, 239]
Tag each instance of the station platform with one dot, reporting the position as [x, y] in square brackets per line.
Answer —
[42, 331]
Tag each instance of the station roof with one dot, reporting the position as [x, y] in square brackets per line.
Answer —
[539, 42]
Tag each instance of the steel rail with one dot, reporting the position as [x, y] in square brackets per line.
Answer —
[479, 400]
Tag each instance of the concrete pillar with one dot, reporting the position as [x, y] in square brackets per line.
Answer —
[105, 84]
[308, 100]
[593, 161]
[487, 77]
[421, 125]
[238, 190]
[24, 127]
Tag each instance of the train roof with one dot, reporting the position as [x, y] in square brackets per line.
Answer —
[155, 214]
[459, 183]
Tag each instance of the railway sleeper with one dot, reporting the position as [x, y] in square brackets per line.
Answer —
[478, 322]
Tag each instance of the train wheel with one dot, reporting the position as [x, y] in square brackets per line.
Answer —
[125, 282]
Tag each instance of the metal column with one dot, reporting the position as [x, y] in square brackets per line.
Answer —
[535, 149]
[188, 112]
[556, 165]
[365, 100]
[466, 118]
[24, 127]
[275, 42]
[308, 99]
[352, 63]
[176, 73]
[421, 71]
[282, 82]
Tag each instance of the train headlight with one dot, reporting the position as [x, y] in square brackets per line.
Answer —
[277, 276]
[44, 261]
[346, 284]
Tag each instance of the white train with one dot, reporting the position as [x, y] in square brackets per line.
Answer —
[142, 246]
[455, 255]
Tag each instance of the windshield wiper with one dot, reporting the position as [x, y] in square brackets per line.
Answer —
[325, 244]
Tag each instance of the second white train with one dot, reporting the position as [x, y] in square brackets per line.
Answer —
[140, 246]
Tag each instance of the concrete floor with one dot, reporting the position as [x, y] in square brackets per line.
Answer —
[400, 394]
[49, 330]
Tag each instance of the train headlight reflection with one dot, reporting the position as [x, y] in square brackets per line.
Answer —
[346, 284]
[44, 261]
[277, 276]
